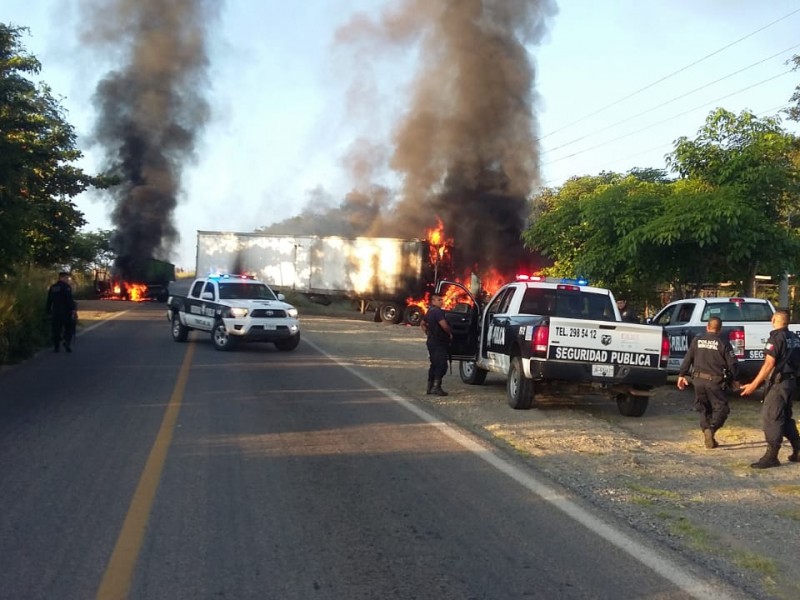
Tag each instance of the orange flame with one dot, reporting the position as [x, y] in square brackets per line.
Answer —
[136, 291]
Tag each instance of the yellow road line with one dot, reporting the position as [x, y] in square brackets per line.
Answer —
[118, 576]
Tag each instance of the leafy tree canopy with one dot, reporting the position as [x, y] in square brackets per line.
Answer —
[37, 177]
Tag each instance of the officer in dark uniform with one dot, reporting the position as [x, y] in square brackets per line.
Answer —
[626, 312]
[712, 363]
[439, 334]
[63, 310]
[780, 368]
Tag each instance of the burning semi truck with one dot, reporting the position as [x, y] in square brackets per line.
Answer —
[384, 274]
[136, 280]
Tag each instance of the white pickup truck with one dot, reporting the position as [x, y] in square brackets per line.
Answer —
[234, 308]
[745, 321]
[556, 334]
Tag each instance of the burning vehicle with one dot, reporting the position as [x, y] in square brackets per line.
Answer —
[395, 277]
[135, 280]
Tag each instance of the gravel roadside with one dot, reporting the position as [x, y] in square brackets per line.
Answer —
[652, 472]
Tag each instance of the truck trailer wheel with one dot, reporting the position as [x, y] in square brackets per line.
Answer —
[470, 373]
[413, 315]
[632, 406]
[288, 344]
[519, 389]
[180, 332]
[391, 313]
[220, 337]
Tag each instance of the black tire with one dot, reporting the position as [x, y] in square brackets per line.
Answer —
[632, 406]
[288, 344]
[391, 313]
[519, 389]
[470, 373]
[220, 337]
[180, 333]
[413, 315]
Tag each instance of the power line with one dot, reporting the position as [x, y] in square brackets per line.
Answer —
[676, 98]
[744, 89]
[648, 86]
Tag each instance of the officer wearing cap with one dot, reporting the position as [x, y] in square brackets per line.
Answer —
[710, 359]
[780, 368]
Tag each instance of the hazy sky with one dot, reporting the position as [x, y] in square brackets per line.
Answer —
[288, 102]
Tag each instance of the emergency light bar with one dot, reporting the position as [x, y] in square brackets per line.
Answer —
[230, 276]
[565, 280]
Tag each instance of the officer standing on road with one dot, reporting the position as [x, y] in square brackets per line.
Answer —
[708, 358]
[780, 368]
[439, 334]
[63, 310]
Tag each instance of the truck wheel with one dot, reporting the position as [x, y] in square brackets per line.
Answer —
[220, 337]
[632, 406]
[470, 373]
[288, 344]
[391, 313]
[519, 389]
[413, 315]
[180, 332]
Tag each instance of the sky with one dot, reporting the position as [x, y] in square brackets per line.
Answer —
[615, 83]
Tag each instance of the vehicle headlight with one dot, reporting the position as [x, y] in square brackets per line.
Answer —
[238, 313]
[292, 312]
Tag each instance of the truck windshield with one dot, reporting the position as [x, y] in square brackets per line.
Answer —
[567, 303]
[245, 291]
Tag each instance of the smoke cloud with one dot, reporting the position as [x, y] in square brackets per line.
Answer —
[151, 111]
[465, 148]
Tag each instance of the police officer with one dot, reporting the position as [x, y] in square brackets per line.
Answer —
[63, 310]
[709, 357]
[780, 368]
[627, 312]
[439, 335]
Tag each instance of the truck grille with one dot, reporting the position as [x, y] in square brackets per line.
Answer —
[268, 313]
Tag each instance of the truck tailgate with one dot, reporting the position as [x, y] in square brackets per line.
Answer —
[604, 343]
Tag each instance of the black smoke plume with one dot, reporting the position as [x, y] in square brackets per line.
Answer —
[466, 147]
[151, 110]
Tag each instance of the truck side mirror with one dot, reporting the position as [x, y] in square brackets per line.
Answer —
[207, 296]
[281, 297]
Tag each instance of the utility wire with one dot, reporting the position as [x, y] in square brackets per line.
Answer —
[763, 81]
[676, 98]
[648, 86]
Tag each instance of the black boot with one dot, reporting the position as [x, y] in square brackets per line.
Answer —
[769, 460]
[795, 455]
[429, 389]
[67, 346]
[437, 388]
[709, 438]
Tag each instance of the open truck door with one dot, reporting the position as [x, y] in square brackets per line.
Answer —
[462, 312]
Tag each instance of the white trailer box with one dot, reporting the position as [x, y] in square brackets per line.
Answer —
[385, 271]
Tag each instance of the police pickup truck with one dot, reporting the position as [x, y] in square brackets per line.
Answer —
[559, 335]
[234, 308]
[745, 322]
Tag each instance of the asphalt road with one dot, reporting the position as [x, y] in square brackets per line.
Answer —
[138, 467]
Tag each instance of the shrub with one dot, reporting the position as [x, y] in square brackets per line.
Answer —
[24, 328]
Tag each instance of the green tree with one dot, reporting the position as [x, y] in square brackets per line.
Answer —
[794, 111]
[37, 177]
[751, 163]
[586, 228]
[92, 250]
